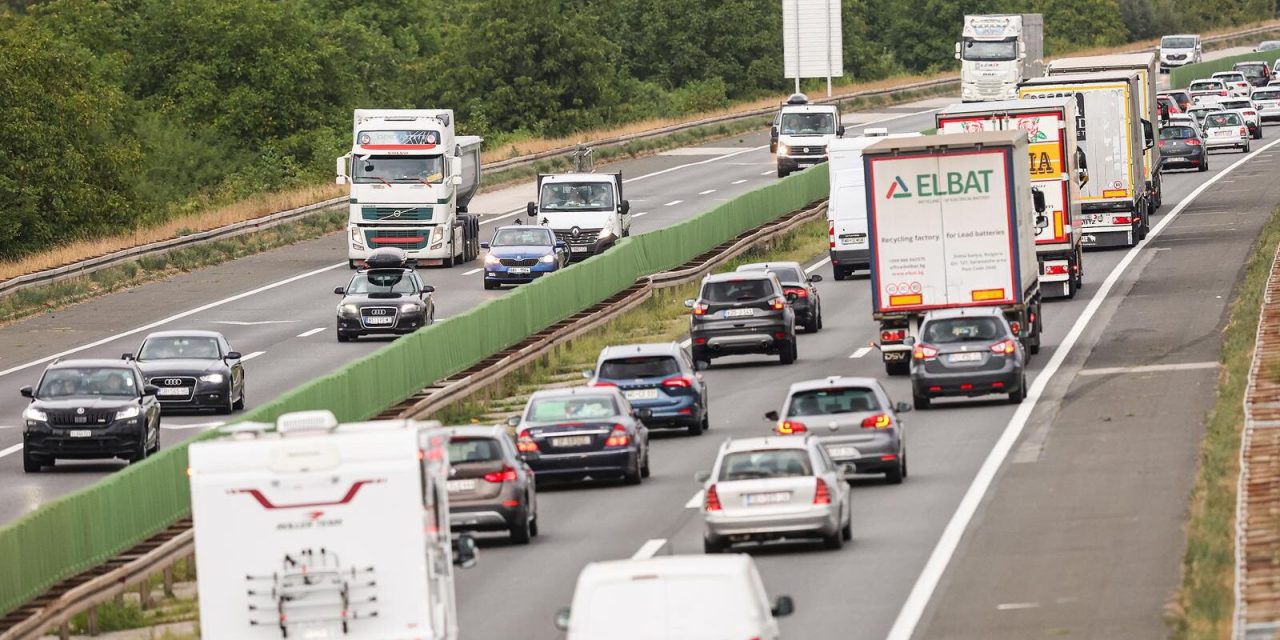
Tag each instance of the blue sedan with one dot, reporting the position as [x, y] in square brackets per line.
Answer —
[520, 254]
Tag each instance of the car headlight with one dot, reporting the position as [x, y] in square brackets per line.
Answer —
[131, 412]
[32, 413]
[604, 233]
[489, 258]
[212, 378]
[784, 150]
[410, 307]
[348, 310]
[549, 258]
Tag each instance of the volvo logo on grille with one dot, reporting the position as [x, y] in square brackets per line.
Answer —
[575, 232]
[173, 382]
[379, 312]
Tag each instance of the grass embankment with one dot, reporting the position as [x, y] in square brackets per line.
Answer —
[1206, 599]
[44, 298]
[661, 318]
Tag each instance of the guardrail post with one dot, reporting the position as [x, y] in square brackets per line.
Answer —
[144, 593]
[64, 631]
[92, 623]
[191, 567]
[168, 582]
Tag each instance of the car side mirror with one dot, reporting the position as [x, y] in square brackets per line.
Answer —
[1042, 221]
[909, 341]
[902, 407]
[513, 421]
[689, 303]
[783, 607]
[771, 415]
[126, 356]
[340, 290]
[588, 374]
[1148, 137]
[840, 131]
[561, 246]
[702, 476]
[643, 414]
[562, 619]
[531, 209]
[817, 277]
[427, 288]
[232, 355]
[625, 207]
[464, 554]
[484, 245]
[27, 392]
[150, 390]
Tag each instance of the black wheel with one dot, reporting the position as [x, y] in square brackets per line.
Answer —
[701, 361]
[839, 274]
[1021, 394]
[533, 525]
[897, 368]
[239, 404]
[520, 529]
[1079, 272]
[155, 448]
[905, 470]
[491, 285]
[706, 422]
[1033, 345]
[644, 469]
[782, 173]
[633, 477]
[921, 402]
[818, 327]
[140, 450]
[1071, 287]
[713, 546]
[787, 354]
[227, 407]
[834, 542]
[1204, 164]
[30, 463]
[1246, 148]
[698, 427]
[343, 337]
[846, 531]
[896, 474]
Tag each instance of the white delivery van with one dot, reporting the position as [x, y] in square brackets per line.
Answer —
[693, 597]
[847, 207]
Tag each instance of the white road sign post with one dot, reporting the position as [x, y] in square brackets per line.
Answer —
[811, 38]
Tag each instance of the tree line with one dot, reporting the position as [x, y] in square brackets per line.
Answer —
[118, 113]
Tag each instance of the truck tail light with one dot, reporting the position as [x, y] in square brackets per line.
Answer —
[924, 352]
[791, 427]
[1004, 347]
[893, 335]
[1055, 270]
[1121, 220]
[880, 421]
[1016, 327]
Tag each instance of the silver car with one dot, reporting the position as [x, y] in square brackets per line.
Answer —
[854, 419]
[1267, 102]
[774, 488]
[1226, 129]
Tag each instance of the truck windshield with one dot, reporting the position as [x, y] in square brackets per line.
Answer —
[577, 196]
[807, 124]
[397, 169]
[1178, 43]
[990, 50]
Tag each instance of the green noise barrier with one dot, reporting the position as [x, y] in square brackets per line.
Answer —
[83, 529]
[1180, 77]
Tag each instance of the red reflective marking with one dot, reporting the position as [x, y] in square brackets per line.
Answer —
[268, 504]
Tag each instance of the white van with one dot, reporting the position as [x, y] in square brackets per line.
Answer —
[693, 597]
[1179, 50]
[847, 208]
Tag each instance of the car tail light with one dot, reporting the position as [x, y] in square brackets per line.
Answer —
[700, 309]
[678, 383]
[893, 335]
[506, 475]
[1192, 142]
[602, 383]
[881, 421]
[778, 304]
[924, 352]
[525, 444]
[1016, 327]
[711, 502]
[1004, 347]
[1055, 270]
[1162, 143]
[791, 427]
[831, 235]
[821, 494]
[618, 437]
[1244, 131]
[799, 293]
[1121, 220]
[1222, 93]
[699, 340]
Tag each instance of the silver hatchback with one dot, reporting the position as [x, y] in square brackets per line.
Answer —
[854, 419]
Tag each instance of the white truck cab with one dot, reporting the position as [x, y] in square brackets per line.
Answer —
[996, 52]
[1179, 50]
[804, 131]
[585, 210]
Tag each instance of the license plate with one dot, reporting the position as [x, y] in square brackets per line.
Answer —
[739, 313]
[580, 249]
[518, 270]
[174, 391]
[965, 357]
[571, 441]
[853, 238]
[461, 485]
[1223, 134]
[844, 452]
[372, 320]
[80, 433]
[641, 394]
[775, 497]
[1093, 218]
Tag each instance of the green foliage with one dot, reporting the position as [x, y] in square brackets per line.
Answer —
[119, 113]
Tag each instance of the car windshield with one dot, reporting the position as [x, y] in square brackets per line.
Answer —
[736, 290]
[1199, 114]
[822, 402]
[87, 381]
[462, 449]
[954, 330]
[786, 275]
[1205, 86]
[1256, 70]
[807, 124]
[530, 237]
[179, 347]
[1177, 133]
[571, 408]
[1235, 104]
[382, 283]
[397, 169]
[639, 367]
[1266, 94]
[990, 50]
[765, 463]
[1222, 120]
[577, 196]
[1229, 77]
[1178, 43]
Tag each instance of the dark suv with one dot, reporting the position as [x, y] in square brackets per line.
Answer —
[659, 377]
[741, 313]
[799, 288]
[89, 409]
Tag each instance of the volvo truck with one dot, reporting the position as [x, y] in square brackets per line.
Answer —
[1059, 167]
[411, 180]
[996, 52]
[953, 224]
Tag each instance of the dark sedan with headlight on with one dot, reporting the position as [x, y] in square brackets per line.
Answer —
[192, 370]
[384, 301]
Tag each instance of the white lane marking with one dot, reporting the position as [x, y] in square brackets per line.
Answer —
[673, 203]
[817, 265]
[695, 502]
[767, 173]
[642, 213]
[14, 449]
[703, 193]
[311, 332]
[178, 316]
[861, 352]
[503, 216]
[8, 426]
[187, 427]
[649, 549]
[1151, 368]
[251, 356]
[473, 271]
[1014, 606]
[913, 609]
[694, 164]
[738, 181]
[251, 323]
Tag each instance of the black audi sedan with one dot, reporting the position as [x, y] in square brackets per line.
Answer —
[87, 410]
[192, 370]
[387, 298]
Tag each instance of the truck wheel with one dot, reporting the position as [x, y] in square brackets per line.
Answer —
[839, 274]
[1079, 269]
[897, 368]
[1071, 287]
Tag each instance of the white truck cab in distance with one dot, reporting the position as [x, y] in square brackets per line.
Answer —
[585, 210]
[998, 51]
[804, 131]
